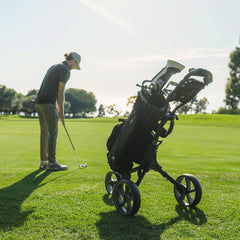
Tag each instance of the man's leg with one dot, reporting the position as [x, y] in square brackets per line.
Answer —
[43, 137]
[51, 116]
[51, 121]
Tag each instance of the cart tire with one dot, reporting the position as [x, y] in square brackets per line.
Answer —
[126, 197]
[191, 192]
[111, 179]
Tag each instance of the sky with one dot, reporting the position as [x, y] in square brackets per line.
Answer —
[121, 42]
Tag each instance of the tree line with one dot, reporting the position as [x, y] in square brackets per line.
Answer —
[194, 106]
[78, 102]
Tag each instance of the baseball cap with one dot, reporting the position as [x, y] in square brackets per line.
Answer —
[77, 58]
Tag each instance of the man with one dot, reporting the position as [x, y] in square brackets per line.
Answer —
[50, 107]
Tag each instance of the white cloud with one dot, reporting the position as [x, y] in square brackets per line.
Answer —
[175, 54]
[117, 21]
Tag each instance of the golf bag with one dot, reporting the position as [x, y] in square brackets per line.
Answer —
[131, 140]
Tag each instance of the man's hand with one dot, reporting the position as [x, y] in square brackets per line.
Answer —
[61, 118]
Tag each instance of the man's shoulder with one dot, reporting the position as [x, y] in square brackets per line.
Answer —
[60, 67]
[63, 66]
[59, 71]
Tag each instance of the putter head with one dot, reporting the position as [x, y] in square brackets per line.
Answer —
[82, 165]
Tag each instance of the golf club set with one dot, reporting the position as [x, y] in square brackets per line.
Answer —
[132, 146]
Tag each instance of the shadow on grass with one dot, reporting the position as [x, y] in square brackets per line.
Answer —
[107, 198]
[112, 225]
[12, 197]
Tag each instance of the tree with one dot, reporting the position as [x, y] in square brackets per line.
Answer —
[201, 105]
[187, 107]
[67, 107]
[6, 98]
[32, 92]
[198, 106]
[184, 109]
[3, 101]
[113, 110]
[17, 103]
[192, 103]
[232, 88]
[81, 101]
[131, 101]
[101, 111]
[28, 104]
[223, 110]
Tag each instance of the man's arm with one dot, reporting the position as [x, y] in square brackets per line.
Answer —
[60, 101]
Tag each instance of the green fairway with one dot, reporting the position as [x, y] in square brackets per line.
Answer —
[74, 204]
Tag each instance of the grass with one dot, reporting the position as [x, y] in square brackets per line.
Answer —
[37, 204]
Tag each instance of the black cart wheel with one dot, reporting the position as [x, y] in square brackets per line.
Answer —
[126, 197]
[190, 192]
[110, 179]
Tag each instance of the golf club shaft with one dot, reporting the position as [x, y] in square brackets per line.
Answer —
[71, 143]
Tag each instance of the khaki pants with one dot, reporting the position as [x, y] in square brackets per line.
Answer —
[48, 119]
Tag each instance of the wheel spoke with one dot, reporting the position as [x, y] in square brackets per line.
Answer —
[129, 197]
[180, 193]
[129, 206]
[121, 191]
[190, 191]
[181, 197]
[123, 201]
[128, 193]
[121, 197]
[112, 182]
[188, 183]
[190, 200]
[120, 204]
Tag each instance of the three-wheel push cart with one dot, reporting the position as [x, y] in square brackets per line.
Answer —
[137, 138]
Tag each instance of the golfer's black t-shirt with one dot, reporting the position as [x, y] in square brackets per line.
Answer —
[49, 89]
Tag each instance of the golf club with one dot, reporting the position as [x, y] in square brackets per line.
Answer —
[80, 165]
